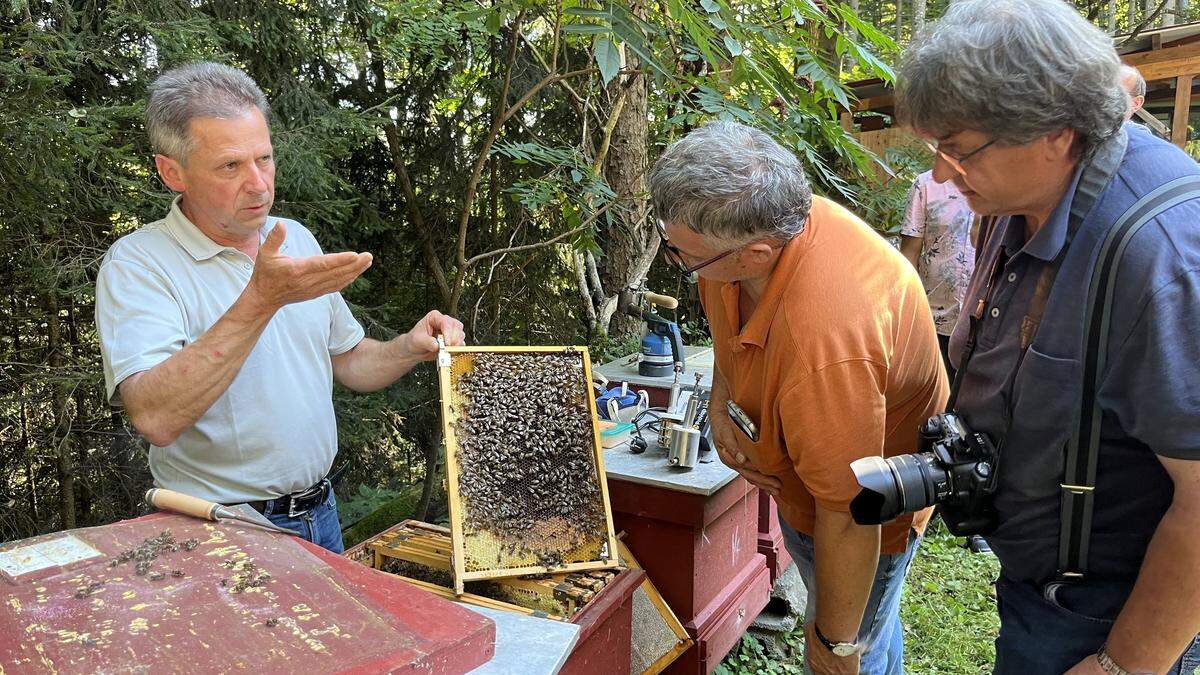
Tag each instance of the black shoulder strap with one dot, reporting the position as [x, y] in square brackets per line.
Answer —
[1079, 473]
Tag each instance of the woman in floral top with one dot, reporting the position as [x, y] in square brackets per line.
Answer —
[936, 239]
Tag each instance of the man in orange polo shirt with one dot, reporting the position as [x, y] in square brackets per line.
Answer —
[823, 336]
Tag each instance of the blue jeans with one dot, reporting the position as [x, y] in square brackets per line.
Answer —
[1051, 629]
[320, 525]
[881, 635]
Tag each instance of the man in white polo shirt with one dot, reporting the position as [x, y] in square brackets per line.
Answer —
[222, 328]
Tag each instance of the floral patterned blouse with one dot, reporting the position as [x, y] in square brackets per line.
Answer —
[939, 214]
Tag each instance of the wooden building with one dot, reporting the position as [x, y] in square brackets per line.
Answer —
[1168, 57]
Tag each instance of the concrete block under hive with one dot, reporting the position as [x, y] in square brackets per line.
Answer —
[421, 552]
[524, 464]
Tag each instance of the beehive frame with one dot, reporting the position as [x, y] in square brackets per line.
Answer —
[452, 363]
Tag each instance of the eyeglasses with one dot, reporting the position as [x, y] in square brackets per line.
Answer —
[677, 258]
[957, 162]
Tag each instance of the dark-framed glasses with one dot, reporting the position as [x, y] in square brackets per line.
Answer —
[957, 161]
[678, 259]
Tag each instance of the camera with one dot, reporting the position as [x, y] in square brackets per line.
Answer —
[956, 470]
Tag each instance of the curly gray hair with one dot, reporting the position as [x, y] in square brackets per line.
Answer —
[196, 90]
[731, 181]
[1014, 70]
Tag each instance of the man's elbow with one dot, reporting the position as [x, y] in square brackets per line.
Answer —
[154, 429]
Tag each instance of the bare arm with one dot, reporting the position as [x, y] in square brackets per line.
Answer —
[373, 365]
[911, 248]
[845, 556]
[167, 399]
[1162, 615]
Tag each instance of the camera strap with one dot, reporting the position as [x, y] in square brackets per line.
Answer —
[1083, 448]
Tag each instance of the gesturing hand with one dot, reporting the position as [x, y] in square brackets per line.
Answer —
[279, 279]
[726, 439]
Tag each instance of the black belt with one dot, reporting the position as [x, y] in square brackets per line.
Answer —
[298, 503]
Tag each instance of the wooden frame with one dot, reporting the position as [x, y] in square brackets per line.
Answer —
[461, 576]
[477, 600]
[684, 641]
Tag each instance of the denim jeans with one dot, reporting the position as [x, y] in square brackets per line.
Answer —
[1051, 629]
[320, 525]
[880, 636]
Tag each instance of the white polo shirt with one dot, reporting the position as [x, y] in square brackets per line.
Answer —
[273, 430]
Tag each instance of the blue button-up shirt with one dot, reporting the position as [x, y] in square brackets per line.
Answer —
[1150, 395]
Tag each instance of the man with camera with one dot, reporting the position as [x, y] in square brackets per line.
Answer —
[824, 340]
[1078, 359]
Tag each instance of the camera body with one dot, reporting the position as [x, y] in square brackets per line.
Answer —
[955, 470]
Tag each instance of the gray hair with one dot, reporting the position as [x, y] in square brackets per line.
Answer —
[731, 181]
[1132, 78]
[1015, 70]
[196, 90]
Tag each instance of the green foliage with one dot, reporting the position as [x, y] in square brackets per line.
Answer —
[385, 514]
[362, 502]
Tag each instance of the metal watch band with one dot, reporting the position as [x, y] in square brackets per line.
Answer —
[1112, 667]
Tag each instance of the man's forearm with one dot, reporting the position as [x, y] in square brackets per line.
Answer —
[169, 398]
[373, 365]
[1162, 614]
[846, 555]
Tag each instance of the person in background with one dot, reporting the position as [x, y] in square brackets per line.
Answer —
[936, 237]
[222, 329]
[1135, 89]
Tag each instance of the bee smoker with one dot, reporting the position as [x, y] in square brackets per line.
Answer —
[688, 443]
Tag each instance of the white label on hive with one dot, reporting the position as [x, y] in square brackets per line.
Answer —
[52, 553]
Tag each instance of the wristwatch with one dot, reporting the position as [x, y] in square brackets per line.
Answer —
[838, 648]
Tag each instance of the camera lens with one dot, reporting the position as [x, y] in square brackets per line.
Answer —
[890, 487]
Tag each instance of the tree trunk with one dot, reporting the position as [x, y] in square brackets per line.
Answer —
[1112, 17]
[79, 421]
[61, 436]
[899, 20]
[1168, 14]
[631, 242]
[918, 23]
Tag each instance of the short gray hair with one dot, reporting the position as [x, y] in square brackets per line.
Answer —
[731, 181]
[196, 90]
[1134, 77]
[1015, 70]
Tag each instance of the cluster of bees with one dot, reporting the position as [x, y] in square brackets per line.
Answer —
[143, 555]
[246, 575]
[525, 449]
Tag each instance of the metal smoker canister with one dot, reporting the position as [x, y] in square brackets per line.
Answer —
[684, 448]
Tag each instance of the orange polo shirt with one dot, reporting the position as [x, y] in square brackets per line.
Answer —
[839, 360]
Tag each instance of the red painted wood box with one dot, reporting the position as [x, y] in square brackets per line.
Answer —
[605, 622]
[770, 537]
[701, 552]
[217, 598]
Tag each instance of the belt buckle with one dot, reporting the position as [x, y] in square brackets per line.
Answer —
[293, 498]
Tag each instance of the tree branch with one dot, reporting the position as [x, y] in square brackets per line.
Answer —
[1137, 30]
[414, 212]
[587, 222]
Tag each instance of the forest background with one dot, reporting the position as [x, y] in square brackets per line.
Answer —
[491, 154]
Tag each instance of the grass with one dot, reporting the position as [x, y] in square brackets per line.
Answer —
[948, 611]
